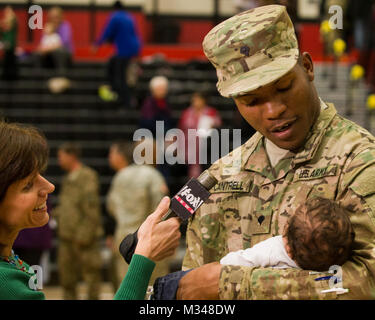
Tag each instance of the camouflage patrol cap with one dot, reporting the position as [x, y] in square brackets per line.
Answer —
[252, 49]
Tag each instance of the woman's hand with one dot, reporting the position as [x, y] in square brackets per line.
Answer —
[158, 240]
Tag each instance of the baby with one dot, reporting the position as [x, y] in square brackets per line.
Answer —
[316, 237]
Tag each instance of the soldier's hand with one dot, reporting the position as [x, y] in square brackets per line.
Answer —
[201, 283]
[158, 240]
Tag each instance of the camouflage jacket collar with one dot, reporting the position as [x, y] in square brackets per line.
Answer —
[258, 161]
[255, 157]
[74, 174]
[316, 135]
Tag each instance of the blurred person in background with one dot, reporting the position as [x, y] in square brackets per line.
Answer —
[78, 216]
[135, 191]
[58, 54]
[109, 260]
[121, 31]
[8, 42]
[156, 107]
[203, 118]
[50, 40]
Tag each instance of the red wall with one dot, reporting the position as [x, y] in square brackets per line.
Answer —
[80, 21]
[190, 39]
[192, 32]
[310, 41]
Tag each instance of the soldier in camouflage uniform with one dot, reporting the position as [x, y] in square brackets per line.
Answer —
[135, 192]
[78, 215]
[303, 149]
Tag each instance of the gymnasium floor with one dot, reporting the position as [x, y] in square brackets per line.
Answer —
[55, 292]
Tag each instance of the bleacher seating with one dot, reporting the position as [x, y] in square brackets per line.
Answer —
[80, 115]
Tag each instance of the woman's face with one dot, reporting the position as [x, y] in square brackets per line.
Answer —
[24, 204]
[198, 102]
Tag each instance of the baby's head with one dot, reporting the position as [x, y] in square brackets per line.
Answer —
[319, 235]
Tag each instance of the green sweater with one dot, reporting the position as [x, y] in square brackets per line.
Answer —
[14, 283]
[9, 38]
[135, 283]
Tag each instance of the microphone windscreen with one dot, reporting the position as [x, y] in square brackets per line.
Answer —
[208, 181]
[192, 195]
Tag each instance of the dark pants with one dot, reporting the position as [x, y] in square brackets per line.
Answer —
[117, 68]
[59, 60]
[10, 66]
[165, 288]
[74, 261]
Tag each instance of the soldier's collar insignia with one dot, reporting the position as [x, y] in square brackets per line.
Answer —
[316, 135]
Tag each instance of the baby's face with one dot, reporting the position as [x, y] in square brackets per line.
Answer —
[285, 241]
[286, 246]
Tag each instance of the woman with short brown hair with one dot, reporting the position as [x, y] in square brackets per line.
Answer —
[23, 196]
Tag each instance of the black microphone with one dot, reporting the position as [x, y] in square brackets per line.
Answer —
[183, 205]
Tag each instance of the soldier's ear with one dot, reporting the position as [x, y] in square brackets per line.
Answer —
[307, 65]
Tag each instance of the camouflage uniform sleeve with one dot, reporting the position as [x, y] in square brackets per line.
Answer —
[356, 191]
[194, 252]
[90, 224]
[203, 237]
[112, 200]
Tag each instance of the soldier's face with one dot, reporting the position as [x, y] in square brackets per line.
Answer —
[65, 160]
[114, 158]
[285, 110]
[24, 204]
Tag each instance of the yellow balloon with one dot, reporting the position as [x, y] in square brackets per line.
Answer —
[325, 27]
[357, 72]
[339, 47]
[106, 94]
[371, 101]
